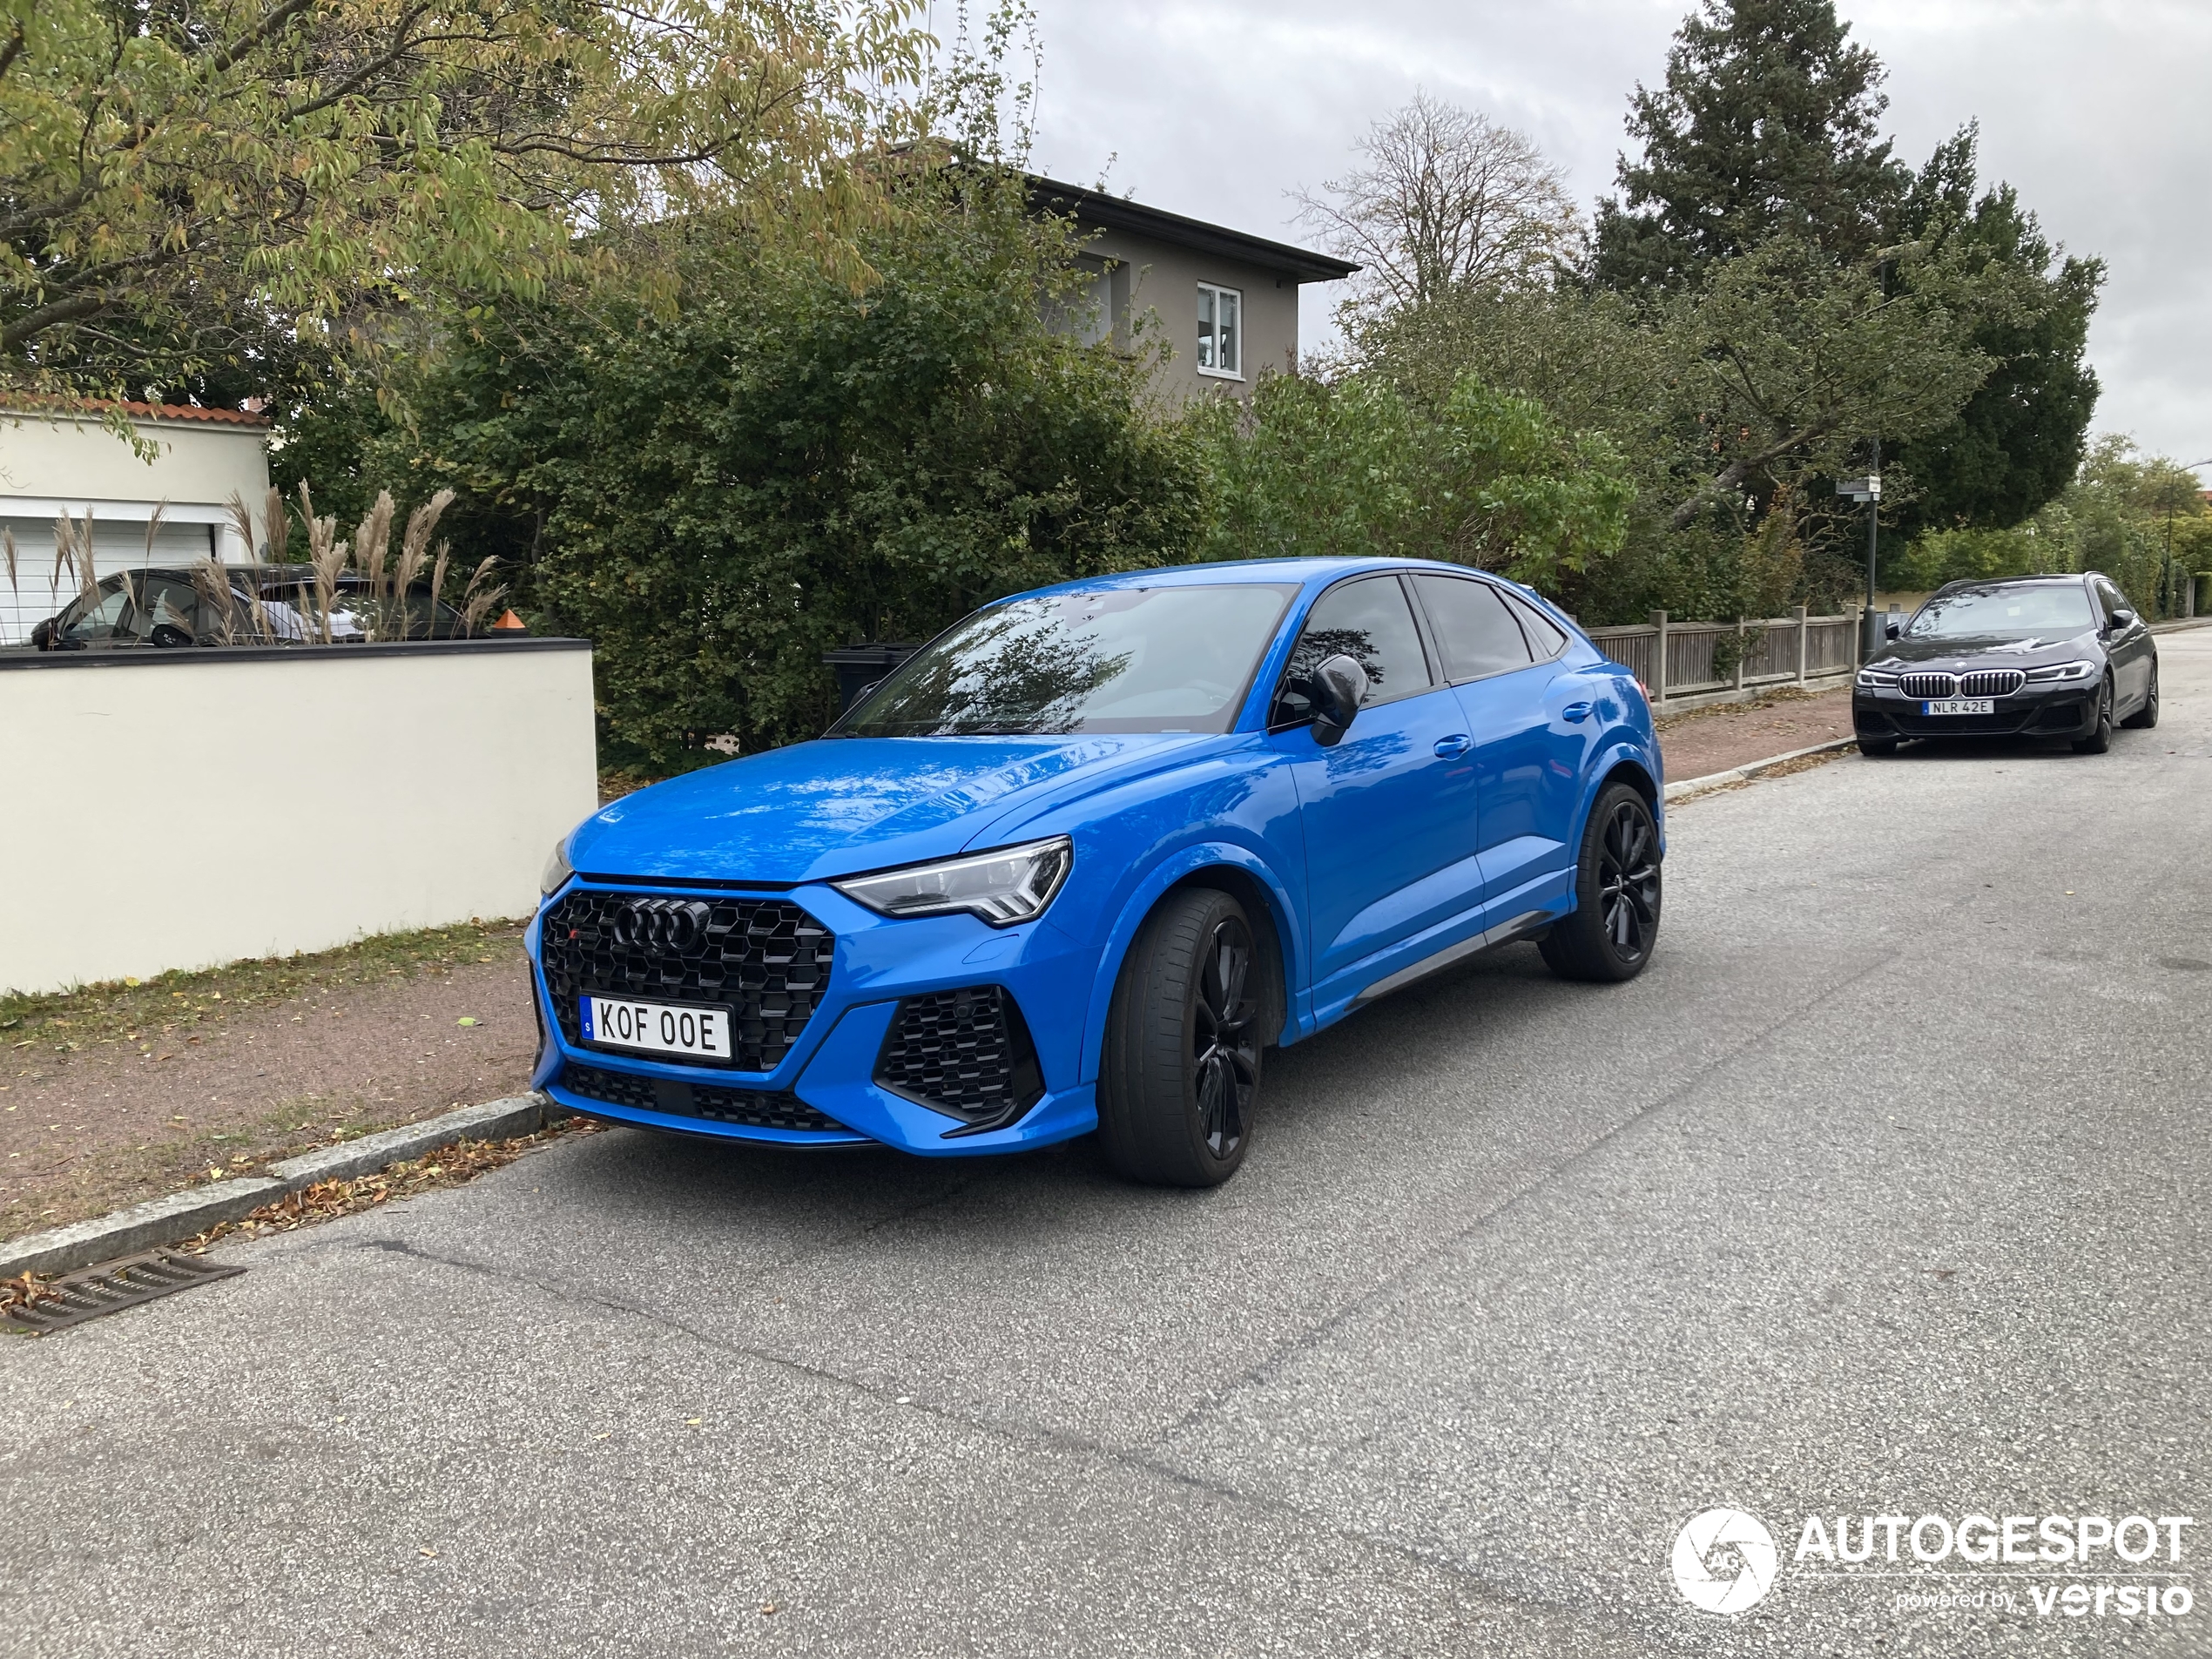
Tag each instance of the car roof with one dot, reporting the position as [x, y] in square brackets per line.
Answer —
[1276, 572]
[2054, 579]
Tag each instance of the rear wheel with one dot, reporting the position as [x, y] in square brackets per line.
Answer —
[1616, 921]
[2098, 739]
[1180, 1079]
[2146, 716]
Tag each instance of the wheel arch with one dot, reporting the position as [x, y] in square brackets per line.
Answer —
[1235, 870]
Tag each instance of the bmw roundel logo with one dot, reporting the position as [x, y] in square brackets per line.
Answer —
[660, 924]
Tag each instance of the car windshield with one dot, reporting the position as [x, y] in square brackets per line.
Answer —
[2009, 612]
[1115, 659]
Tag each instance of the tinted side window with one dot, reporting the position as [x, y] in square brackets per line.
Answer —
[1544, 636]
[1476, 632]
[2112, 598]
[1369, 621]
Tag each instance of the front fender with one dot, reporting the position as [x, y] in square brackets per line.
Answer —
[1178, 867]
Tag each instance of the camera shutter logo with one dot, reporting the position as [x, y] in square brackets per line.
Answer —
[1724, 1560]
[660, 924]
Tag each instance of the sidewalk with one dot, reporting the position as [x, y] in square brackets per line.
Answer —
[1735, 734]
[118, 1096]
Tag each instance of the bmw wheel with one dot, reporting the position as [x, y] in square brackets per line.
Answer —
[1615, 919]
[1180, 1081]
[2146, 716]
[2099, 737]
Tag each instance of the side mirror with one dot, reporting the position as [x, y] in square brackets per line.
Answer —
[1339, 687]
[1892, 630]
[2122, 618]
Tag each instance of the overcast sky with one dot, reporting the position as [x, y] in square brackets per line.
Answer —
[2100, 113]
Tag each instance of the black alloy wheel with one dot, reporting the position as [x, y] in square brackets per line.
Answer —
[2146, 716]
[1878, 748]
[1617, 885]
[2100, 740]
[1180, 1083]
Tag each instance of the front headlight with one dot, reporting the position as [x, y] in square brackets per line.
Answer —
[1868, 676]
[1012, 885]
[557, 867]
[2063, 672]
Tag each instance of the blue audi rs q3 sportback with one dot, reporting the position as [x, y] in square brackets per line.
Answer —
[1079, 862]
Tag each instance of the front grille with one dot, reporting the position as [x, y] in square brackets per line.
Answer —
[1991, 682]
[764, 960]
[966, 1053]
[1935, 685]
[752, 1108]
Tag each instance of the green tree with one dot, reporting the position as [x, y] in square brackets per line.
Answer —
[2022, 436]
[1767, 124]
[184, 188]
[717, 493]
[1351, 467]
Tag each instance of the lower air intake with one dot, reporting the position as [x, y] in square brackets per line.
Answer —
[965, 1053]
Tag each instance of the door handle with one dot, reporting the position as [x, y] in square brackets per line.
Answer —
[1576, 712]
[1453, 747]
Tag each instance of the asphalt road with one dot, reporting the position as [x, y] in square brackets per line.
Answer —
[1882, 1192]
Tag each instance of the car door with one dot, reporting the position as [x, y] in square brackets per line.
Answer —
[1530, 726]
[1388, 815]
[2127, 648]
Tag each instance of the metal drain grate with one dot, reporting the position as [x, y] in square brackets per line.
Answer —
[91, 1291]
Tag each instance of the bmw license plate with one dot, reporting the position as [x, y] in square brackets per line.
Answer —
[1960, 705]
[658, 1027]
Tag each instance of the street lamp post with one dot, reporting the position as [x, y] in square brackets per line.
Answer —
[2166, 576]
[1869, 490]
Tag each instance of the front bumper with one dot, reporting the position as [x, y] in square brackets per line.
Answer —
[828, 1088]
[2054, 711]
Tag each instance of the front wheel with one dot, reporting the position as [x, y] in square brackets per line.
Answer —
[2146, 716]
[1616, 921]
[2099, 737]
[1180, 1082]
[1878, 748]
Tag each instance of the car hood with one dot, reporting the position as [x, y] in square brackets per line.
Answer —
[840, 805]
[1989, 651]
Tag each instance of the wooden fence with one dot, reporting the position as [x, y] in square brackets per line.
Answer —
[1676, 659]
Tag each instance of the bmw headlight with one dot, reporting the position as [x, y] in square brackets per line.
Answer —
[1874, 677]
[556, 868]
[2063, 672]
[1011, 885]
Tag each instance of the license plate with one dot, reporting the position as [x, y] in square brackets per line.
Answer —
[1960, 705]
[658, 1027]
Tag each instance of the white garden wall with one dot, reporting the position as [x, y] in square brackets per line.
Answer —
[167, 809]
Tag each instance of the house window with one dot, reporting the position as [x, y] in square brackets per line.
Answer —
[1221, 332]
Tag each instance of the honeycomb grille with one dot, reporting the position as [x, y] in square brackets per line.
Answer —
[764, 960]
[752, 1108]
[966, 1053]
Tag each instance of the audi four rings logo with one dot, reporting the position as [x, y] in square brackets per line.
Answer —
[660, 924]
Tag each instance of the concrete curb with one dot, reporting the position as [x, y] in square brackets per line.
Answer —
[1745, 773]
[182, 1215]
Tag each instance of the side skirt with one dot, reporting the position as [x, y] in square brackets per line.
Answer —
[1525, 926]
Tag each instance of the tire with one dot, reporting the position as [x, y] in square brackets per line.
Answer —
[1179, 1084]
[1877, 748]
[2100, 739]
[2146, 716]
[1615, 921]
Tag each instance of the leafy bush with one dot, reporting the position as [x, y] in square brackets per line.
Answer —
[786, 464]
[1314, 468]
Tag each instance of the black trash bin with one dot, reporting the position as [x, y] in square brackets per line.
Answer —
[857, 667]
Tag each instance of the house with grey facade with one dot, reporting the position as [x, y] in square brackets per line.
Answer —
[1225, 303]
